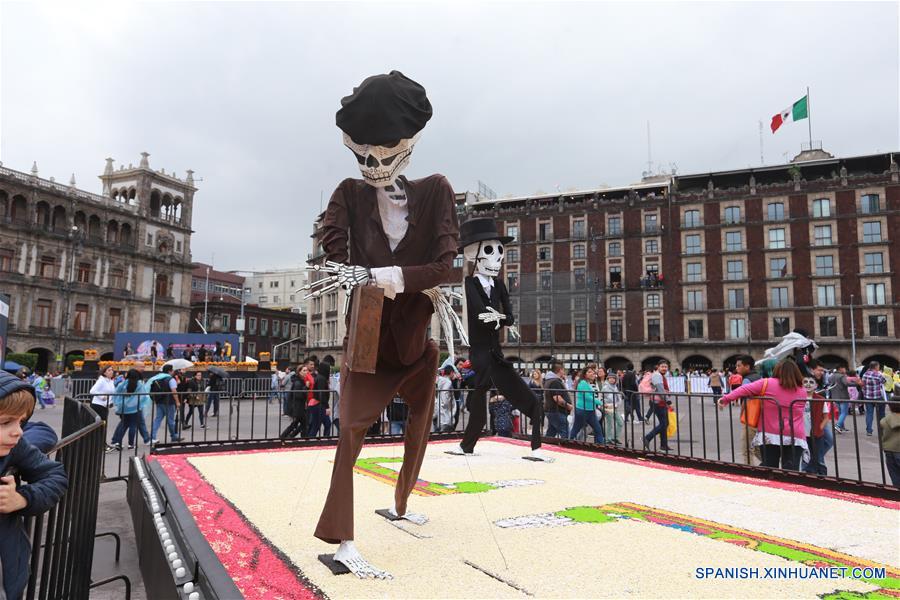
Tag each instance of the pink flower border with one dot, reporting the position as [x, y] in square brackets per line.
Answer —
[239, 546]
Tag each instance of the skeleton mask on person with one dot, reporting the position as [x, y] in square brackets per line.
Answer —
[810, 385]
[381, 165]
[487, 256]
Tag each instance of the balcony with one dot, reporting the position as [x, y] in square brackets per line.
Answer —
[652, 229]
[651, 282]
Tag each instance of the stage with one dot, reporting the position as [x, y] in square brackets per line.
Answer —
[587, 525]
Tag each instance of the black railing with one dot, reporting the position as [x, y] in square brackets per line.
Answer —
[62, 539]
[249, 410]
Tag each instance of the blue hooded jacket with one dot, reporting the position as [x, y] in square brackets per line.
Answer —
[46, 483]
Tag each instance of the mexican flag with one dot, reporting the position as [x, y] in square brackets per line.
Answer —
[795, 112]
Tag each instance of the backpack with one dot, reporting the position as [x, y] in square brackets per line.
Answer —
[160, 391]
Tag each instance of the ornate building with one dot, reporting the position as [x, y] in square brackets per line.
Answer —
[81, 266]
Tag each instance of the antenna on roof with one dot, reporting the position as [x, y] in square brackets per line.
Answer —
[649, 155]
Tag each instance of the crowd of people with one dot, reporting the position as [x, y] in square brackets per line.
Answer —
[308, 396]
[793, 430]
[172, 396]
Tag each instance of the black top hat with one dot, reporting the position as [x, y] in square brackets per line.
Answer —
[480, 230]
[384, 109]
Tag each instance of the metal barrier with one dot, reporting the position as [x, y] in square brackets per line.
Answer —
[247, 409]
[250, 410]
[62, 539]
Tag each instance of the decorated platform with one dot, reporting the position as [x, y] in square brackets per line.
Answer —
[586, 525]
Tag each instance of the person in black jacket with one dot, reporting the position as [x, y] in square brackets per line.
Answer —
[297, 396]
[632, 400]
[488, 307]
[318, 409]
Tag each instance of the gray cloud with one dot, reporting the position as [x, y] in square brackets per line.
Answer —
[527, 96]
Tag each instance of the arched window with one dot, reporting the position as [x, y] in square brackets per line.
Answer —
[60, 220]
[93, 228]
[4, 204]
[42, 215]
[112, 232]
[155, 203]
[125, 238]
[19, 211]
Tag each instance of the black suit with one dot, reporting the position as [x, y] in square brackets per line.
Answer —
[491, 368]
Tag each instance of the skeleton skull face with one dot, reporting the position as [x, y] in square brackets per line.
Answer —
[381, 165]
[487, 256]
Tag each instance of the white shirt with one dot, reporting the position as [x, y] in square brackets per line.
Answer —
[393, 210]
[103, 386]
[486, 282]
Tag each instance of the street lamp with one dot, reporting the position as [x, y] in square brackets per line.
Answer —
[76, 239]
[239, 326]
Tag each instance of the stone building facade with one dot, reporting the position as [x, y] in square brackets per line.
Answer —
[80, 266]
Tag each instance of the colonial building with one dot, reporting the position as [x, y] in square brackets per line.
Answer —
[277, 289]
[700, 268]
[81, 266]
[265, 329]
[219, 302]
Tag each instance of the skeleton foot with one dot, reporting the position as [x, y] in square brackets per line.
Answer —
[414, 518]
[349, 556]
[538, 454]
[458, 451]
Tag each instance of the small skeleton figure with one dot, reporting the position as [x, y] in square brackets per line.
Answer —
[400, 235]
[487, 302]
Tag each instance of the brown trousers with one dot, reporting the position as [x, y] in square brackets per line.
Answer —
[363, 398]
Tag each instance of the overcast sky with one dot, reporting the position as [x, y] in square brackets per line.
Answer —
[527, 97]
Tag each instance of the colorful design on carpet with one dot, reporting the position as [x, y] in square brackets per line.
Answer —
[258, 569]
[811, 556]
[373, 468]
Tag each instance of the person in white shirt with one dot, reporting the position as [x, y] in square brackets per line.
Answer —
[445, 400]
[101, 393]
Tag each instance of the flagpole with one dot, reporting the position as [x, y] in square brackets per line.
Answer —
[808, 118]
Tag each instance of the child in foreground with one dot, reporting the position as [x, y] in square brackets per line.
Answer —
[47, 482]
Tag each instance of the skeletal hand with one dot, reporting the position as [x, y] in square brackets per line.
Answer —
[449, 320]
[512, 329]
[492, 316]
[337, 276]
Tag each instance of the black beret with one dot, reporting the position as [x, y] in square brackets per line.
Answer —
[384, 109]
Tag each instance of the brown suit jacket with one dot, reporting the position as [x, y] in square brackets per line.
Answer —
[352, 234]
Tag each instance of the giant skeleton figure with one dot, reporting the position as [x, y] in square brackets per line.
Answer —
[487, 303]
[400, 235]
